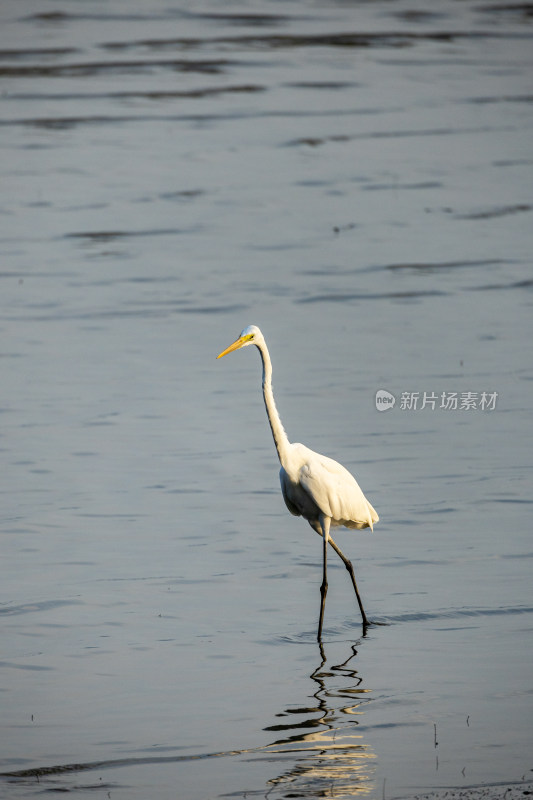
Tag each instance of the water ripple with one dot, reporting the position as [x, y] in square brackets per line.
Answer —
[347, 298]
[30, 608]
[456, 613]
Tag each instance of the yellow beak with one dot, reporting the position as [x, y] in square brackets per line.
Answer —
[235, 346]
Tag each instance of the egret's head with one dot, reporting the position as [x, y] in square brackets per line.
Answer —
[250, 335]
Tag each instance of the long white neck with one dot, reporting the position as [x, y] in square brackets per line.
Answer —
[278, 432]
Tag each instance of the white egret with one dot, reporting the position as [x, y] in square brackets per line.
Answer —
[313, 486]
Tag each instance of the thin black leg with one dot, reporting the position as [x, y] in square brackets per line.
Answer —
[324, 524]
[349, 566]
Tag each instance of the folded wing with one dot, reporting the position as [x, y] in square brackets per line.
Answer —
[336, 493]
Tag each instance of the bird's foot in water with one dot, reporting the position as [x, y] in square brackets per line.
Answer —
[372, 623]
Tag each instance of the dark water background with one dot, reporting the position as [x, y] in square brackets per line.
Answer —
[355, 178]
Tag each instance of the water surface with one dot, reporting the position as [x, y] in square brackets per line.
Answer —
[355, 179]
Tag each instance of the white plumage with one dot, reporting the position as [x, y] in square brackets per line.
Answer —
[314, 486]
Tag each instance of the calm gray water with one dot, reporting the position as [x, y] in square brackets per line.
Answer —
[356, 179]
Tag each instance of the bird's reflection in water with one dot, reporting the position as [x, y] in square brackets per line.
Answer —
[327, 754]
